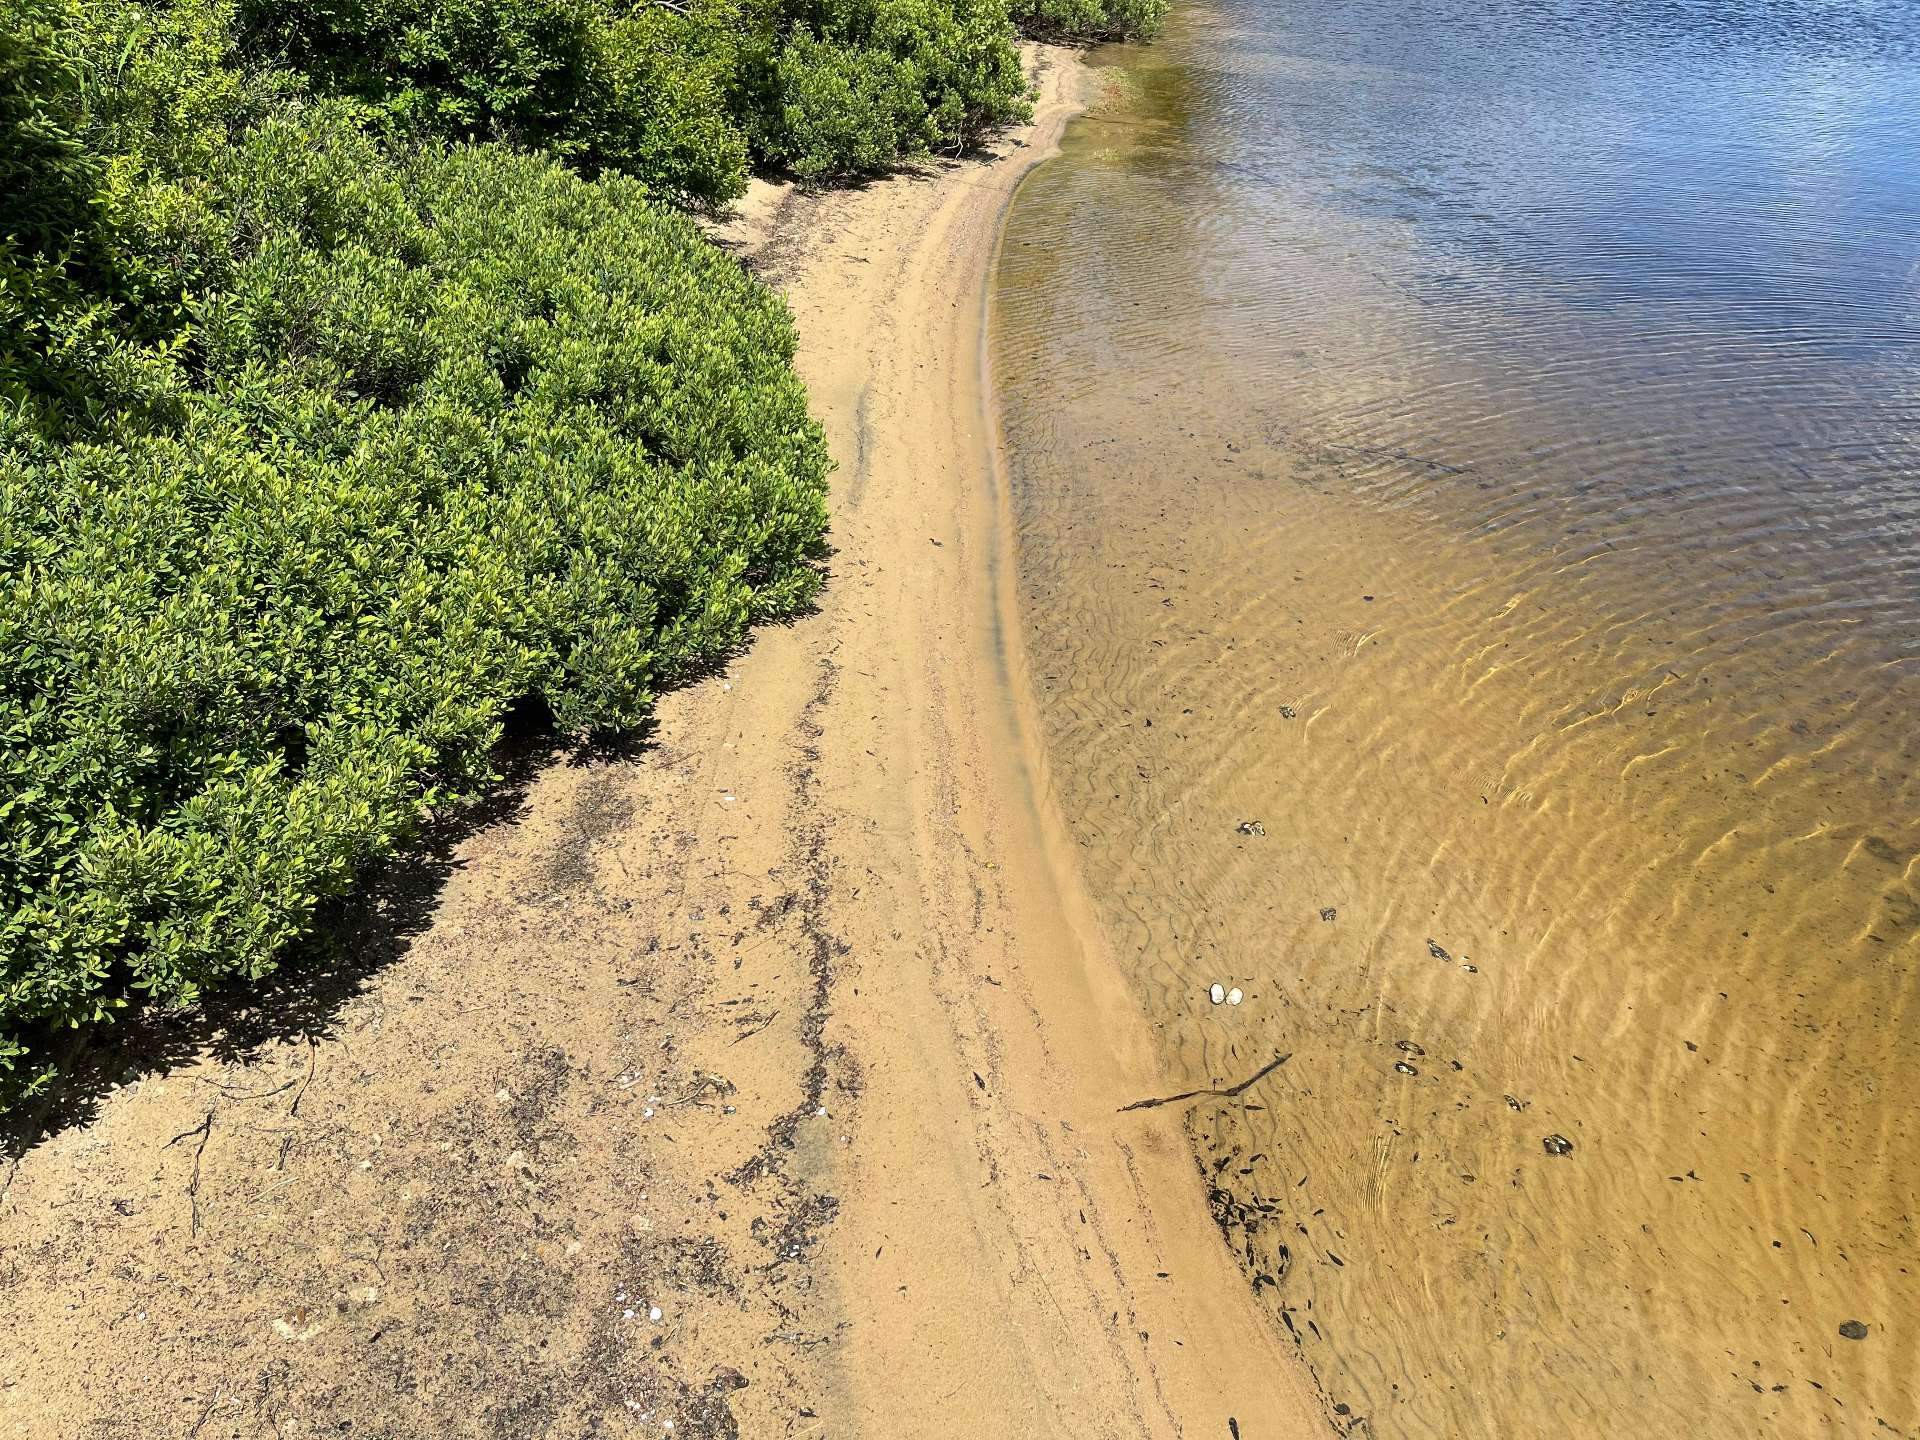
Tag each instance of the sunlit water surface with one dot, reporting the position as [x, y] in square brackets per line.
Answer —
[1481, 444]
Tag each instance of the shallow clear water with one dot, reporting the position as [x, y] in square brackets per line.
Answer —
[1482, 444]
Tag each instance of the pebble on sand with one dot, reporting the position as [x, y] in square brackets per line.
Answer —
[1217, 993]
[1854, 1330]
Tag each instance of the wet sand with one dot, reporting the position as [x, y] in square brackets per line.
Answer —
[766, 1081]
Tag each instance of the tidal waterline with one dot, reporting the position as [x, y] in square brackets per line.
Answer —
[1482, 446]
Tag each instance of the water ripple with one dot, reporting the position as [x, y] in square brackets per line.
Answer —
[1483, 443]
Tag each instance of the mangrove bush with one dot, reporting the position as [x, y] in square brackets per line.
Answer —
[685, 94]
[314, 458]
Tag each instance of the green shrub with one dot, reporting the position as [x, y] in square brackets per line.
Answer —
[1090, 19]
[671, 95]
[51, 184]
[667, 101]
[865, 82]
[517, 68]
[59, 272]
[840, 110]
[100, 102]
[450, 432]
[645, 89]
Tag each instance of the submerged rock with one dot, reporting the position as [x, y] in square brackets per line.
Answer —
[1557, 1145]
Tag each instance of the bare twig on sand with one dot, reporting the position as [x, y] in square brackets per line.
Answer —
[749, 1034]
[228, 1090]
[700, 1087]
[205, 1131]
[313, 1060]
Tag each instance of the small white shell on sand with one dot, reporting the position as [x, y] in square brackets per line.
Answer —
[1217, 993]
[1234, 997]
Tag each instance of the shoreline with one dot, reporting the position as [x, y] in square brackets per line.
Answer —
[1074, 1047]
[796, 1028]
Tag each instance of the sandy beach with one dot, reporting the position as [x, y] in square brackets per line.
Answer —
[771, 1079]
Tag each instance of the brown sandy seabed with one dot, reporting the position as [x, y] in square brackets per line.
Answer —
[794, 1026]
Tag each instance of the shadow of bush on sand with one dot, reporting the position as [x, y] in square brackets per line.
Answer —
[353, 939]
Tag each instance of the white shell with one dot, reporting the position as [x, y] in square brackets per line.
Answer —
[1217, 993]
[1234, 997]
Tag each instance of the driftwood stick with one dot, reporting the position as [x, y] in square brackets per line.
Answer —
[1227, 1094]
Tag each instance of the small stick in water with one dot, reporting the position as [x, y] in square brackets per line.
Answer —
[1227, 1094]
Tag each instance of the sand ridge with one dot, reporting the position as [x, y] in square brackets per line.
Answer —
[766, 1081]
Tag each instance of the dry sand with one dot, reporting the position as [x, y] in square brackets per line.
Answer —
[792, 1026]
